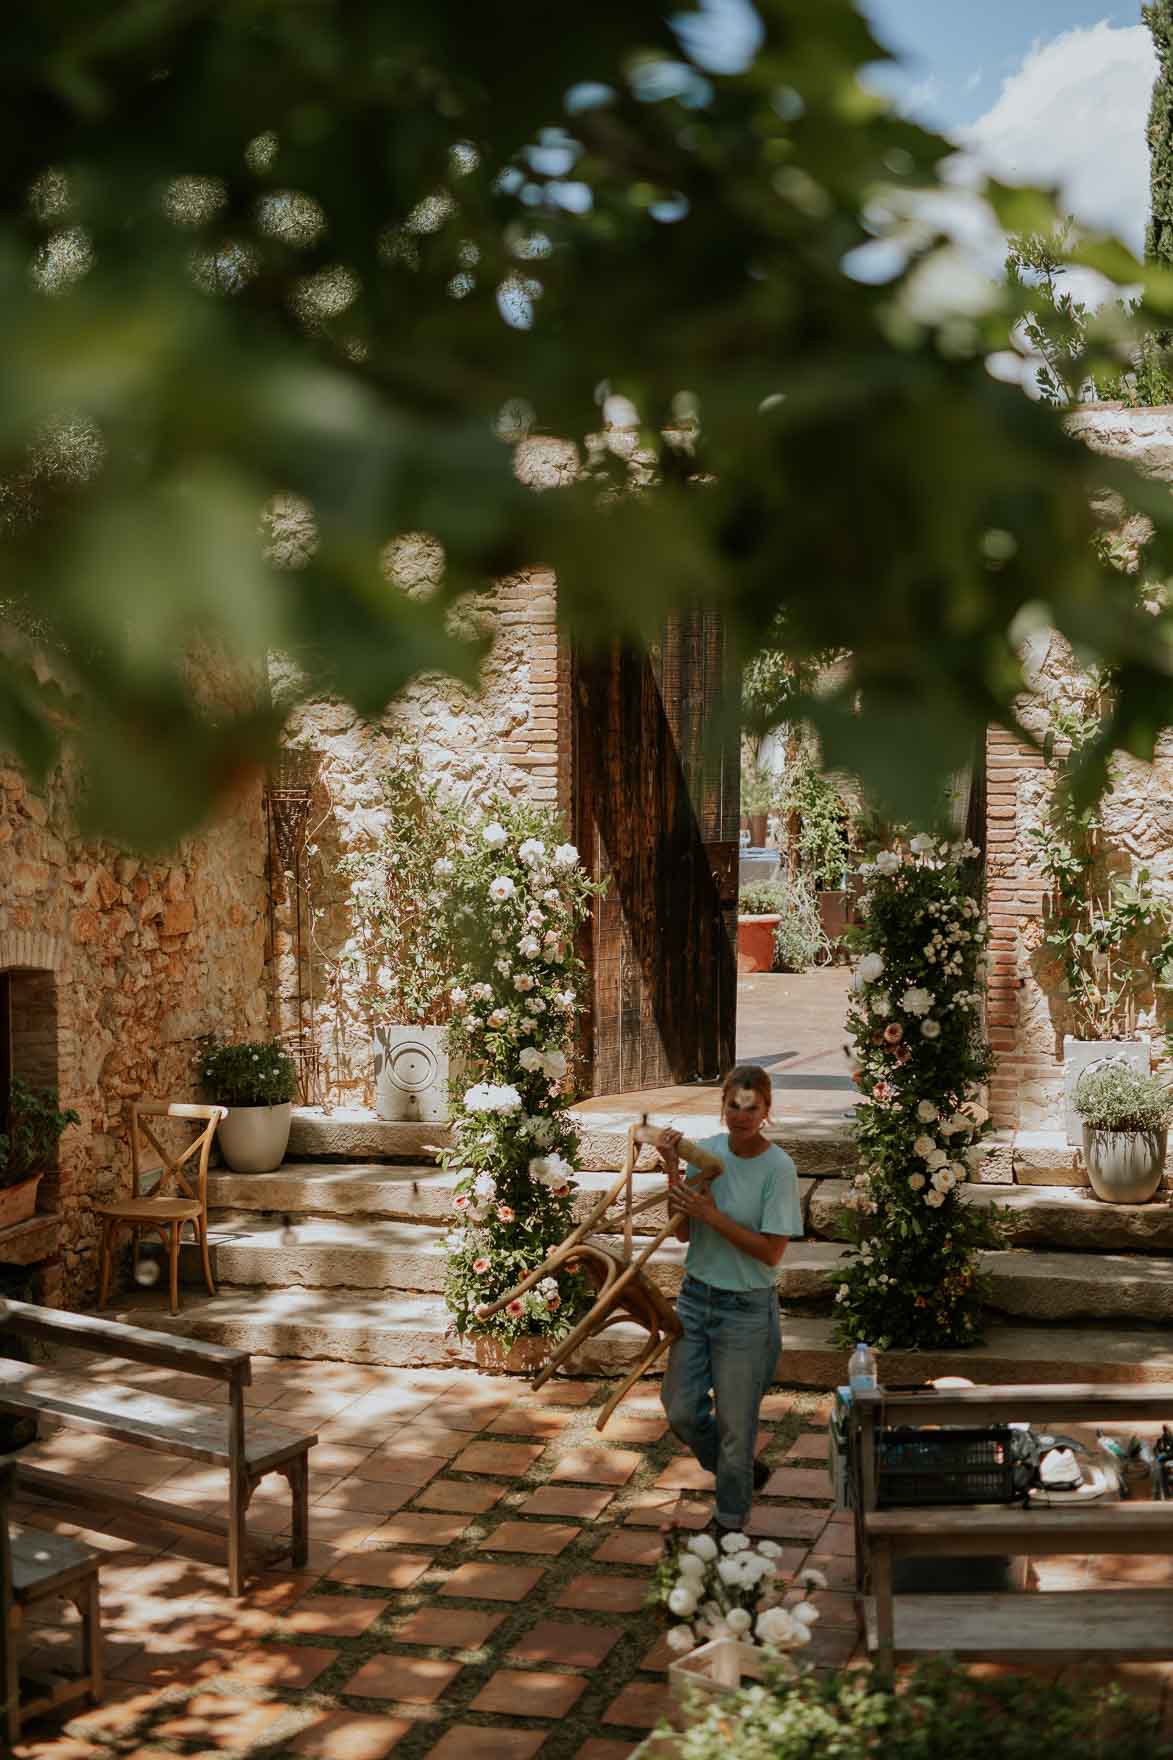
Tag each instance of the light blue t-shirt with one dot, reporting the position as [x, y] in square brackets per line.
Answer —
[760, 1192]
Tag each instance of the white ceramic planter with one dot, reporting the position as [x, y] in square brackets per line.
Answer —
[253, 1139]
[1124, 1167]
[411, 1073]
[1077, 1054]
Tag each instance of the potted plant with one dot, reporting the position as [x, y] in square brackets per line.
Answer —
[256, 1080]
[28, 1150]
[815, 806]
[759, 791]
[1125, 1117]
[401, 960]
[759, 911]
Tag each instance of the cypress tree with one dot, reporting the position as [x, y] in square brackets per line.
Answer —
[1158, 244]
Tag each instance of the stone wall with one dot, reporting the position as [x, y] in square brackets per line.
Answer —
[116, 965]
[504, 738]
[1027, 1015]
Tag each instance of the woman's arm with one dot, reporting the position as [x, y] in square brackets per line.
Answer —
[766, 1248]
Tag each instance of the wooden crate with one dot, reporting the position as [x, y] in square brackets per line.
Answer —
[721, 1666]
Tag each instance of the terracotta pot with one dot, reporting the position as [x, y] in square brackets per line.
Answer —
[525, 1357]
[18, 1203]
[253, 1139]
[755, 943]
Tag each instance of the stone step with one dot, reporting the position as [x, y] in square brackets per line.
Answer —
[353, 1134]
[359, 1256]
[398, 1329]
[1030, 1284]
[1036, 1216]
[413, 1331]
[411, 1193]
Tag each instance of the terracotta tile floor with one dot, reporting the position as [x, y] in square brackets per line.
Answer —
[479, 1568]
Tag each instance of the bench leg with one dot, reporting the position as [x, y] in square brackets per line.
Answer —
[10, 1641]
[109, 1233]
[91, 1637]
[882, 1589]
[297, 1471]
[173, 1255]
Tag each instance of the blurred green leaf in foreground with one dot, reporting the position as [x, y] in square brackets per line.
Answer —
[355, 259]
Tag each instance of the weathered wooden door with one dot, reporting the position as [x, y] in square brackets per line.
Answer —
[655, 810]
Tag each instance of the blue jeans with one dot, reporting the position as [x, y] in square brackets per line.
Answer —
[716, 1379]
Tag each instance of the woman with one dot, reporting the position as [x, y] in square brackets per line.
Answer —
[737, 1230]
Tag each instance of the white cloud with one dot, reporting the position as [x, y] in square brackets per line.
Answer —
[1074, 114]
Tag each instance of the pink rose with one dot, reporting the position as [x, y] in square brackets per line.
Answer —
[553, 1302]
[516, 1306]
[461, 1203]
[561, 1191]
[505, 1214]
[480, 1266]
[893, 1033]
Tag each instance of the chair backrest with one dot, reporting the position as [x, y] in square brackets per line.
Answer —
[187, 1172]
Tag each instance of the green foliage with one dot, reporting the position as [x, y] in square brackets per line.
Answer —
[1063, 331]
[517, 897]
[823, 817]
[1112, 935]
[1117, 1097]
[912, 1281]
[1158, 243]
[759, 787]
[799, 936]
[402, 961]
[937, 1709]
[35, 1127]
[251, 1072]
[761, 898]
[350, 252]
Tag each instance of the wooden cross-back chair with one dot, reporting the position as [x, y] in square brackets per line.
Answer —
[622, 1292]
[179, 1196]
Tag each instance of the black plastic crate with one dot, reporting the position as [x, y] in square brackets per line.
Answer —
[945, 1466]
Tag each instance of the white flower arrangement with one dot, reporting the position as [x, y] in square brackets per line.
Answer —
[732, 1590]
[501, 888]
[492, 1097]
[495, 835]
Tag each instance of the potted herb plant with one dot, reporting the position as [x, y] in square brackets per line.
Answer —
[256, 1080]
[401, 962]
[1125, 1117]
[759, 791]
[28, 1149]
[759, 911]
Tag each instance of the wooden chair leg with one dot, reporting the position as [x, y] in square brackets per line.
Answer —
[10, 1639]
[91, 1637]
[297, 1472]
[109, 1235]
[173, 1254]
[657, 1345]
[202, 1230]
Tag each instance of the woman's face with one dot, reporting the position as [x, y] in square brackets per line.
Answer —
[745, 1112]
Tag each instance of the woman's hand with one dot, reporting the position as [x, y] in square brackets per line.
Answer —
[667, 1141]
[692, 1201]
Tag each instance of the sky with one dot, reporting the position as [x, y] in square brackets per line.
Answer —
[1044, 91]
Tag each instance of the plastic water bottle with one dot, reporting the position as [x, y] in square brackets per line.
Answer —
[861, 1367]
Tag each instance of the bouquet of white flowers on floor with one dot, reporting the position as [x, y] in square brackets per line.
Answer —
[732, 1590]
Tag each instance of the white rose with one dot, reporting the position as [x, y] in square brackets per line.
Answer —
[738, 1621]
[769, 1549]
[776, 1627]
[495, 835]
[565, 856]
[554, 1064]
[681, 1638]
[871, 967]
[887, 862]
[926, 1111]
[880, 1004]
[689, 1565]
[532, 851]
[806, 1613]
[916, 1001]
[459, 996]
[682, 1602]
[501, 888]
[943, 1180]
[938, 1158]
[920, 845]
[530, 1059]
[523, 982]
[923, 1146]
[529, 945]
[734, 1543]
[934, 1198]
[485, 1186]
[930, 1029]
[498, 1017]
[729, 1571]
[916, 1181]
[703, 1545]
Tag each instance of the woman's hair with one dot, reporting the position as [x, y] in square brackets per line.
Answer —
[748, 1075]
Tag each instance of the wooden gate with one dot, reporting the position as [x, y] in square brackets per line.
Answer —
[655, 810]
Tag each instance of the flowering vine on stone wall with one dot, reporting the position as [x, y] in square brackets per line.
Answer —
[517, 898]
[911, 1280]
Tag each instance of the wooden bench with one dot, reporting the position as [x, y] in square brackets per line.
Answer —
[180, 1427]
[34, 1565]
[1072, 1626]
